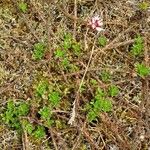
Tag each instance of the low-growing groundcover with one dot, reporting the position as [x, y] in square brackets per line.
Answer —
[74, 75]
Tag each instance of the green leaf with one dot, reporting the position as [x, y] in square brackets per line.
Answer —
[28, 127]
[97, 105]
[99, 93]
[11, 117]
[45, 112]
[23, 7]
[65, 63]
[113, 90]
[54, 98]
[102, 105]
[10, 105]
[39, 51]
[93, 82]
[137, 48]
[144, 5]
[23, 109]
[105, 76]
[67, 43]
[142, 70]
[106, 105]
[91, 115]
[39, 132]
[49, 122]
[41, 88]
[8, 117]
[76, 48]
[102, 40]
[59, 53]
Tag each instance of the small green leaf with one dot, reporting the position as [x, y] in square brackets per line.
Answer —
[10, 105]
[106, 105]
[67, 43]
[102, 41]
[144, 5]
[23, 109]
[76, 48]
[45, 113]
[65, 63]
[49, 122]
[39, 132]
[97, 105]
[59, 53]
[137, 48]
[54, 98]
[105, 76]
[23, 7]
[113, 90]
[99, 93]
[91, 115]
[39, 50]
[142, 70]
[93, 82]
[11, 116]
[28, 127]
[41, 88]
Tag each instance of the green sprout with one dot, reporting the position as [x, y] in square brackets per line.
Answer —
[137, 48]
[144, 5]
[99, 104]
[67, 41]
[54, 98]
[27, 126]
[23, 7]
[102, 40]
[105, 76]
[39, 132]
[142, 70]
[41, 88]
[11, 116]
[59, 53]
[76, 48]
[113, 90]
[39, 51]
[45, 112]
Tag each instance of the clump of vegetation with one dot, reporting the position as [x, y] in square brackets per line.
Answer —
[76, 48]
[137, 48]
[100, 103]
[144, 5]
[113, 90]
[142, 70]
[68, 48]
[59, 53]
[36, 131]
[39, 132]
[13, 112]
[76, 85]
[27, 126]
[102, 40]
[105, 76]
[46, 115]
[54, 98]
[39, 51]
[23, 7]
[93, 82]
[41, 88]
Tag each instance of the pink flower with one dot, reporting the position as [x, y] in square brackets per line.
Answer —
[96, 23]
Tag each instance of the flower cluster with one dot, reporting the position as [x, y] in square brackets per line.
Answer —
[96, 23]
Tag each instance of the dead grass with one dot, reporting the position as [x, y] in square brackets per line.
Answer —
[127, 127]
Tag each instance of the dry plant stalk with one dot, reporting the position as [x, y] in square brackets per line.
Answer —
[75, 103]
